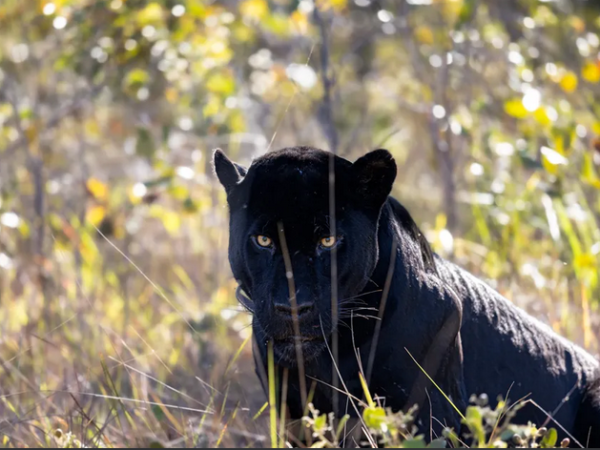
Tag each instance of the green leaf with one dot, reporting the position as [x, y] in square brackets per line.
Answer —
[414, 443]
[437, 443]
[320, 423]
[550, 439]
[158, 413]
[145, 144]
[374, 417]
[341, 425]
[474, 421]
[165, 179]
[155, 444]
[136, 78]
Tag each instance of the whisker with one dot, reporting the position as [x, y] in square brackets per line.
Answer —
[362, 294]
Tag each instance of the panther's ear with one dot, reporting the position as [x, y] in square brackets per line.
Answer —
[374, 174]
[228, 172]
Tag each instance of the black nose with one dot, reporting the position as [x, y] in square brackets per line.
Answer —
[286, 310]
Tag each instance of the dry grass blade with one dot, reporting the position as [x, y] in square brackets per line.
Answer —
[157, 289]
[292, 291]
[382, 305]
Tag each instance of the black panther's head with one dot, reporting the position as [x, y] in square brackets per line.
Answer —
[283, 237]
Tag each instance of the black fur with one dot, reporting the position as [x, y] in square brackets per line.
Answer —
[466, 335]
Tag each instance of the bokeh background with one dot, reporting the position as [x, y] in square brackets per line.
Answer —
[118, 320]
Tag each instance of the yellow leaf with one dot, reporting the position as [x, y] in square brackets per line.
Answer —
[585, 261]
[569, 82]
[136, 78]
[213, 107]
[559, 145]
[329, 4]
[150, 14]
[171, 221]
[515, 108]
[97, 188]
[95, 215]
[220, 84]
[89, 252]
[424, 35]
[591, 72]
[577, 23]
[541, 116]
[179, 192]
[299, 22]
[588, 172]
[32, 133]
[171, 95]
[338, 4]
[254, 9]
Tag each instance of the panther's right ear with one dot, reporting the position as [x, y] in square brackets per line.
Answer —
[374, 175]
[228, 172]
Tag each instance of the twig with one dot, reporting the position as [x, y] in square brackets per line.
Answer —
[326, 109]
[53, 122]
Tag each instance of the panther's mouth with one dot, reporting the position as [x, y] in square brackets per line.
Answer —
[311, 346]
[291, 340]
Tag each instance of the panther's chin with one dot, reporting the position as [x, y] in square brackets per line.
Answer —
[286, 354]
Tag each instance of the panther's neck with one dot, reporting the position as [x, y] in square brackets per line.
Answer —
[410, 255]
[397, 248]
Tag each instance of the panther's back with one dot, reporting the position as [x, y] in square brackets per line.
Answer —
[509, 353]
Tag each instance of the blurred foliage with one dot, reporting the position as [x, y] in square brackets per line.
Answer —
[113, 266]
[486, 427]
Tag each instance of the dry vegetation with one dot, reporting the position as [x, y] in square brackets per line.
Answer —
[118, 320]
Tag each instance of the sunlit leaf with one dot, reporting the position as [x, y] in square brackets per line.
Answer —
[424, 34]
[577, 23]
[277, 24]
[591, 72]
[374, 417]
[299, 22]
[553, 156]
[474, 421]
[254, 9]
[541, 116]
[171, 221]
[152, 13]
[95, 215]
[585, 261]
[212, 107]
[515, 109]
[550, 439]
[179, 192]
[569, 82]
[320, 423]
[136, 78]
[220, 83]
[588, 172]
[97, 188]
[335, 4]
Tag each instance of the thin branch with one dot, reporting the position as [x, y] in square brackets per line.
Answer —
[61, 114]
[326, 108]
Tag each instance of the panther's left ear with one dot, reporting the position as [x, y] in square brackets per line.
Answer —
[228, 172]
[374, 174]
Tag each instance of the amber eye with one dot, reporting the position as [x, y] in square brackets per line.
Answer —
[328, 241]
[264, 241]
